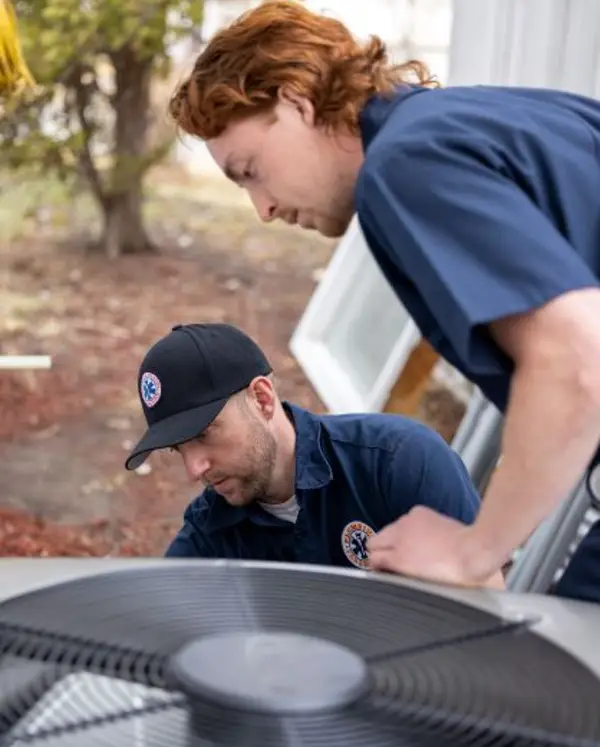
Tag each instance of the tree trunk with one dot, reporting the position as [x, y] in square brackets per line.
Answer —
[124, 231]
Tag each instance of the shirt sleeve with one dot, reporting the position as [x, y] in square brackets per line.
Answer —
[474, 244]
[191, 541]
[425, 471]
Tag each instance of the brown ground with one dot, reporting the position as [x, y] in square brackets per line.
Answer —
[64, 433]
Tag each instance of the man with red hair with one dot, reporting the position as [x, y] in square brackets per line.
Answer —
[480, 204]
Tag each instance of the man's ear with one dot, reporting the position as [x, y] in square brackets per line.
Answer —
[264, 395]
[300, 104]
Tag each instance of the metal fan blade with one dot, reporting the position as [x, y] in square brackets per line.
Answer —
[74, 653]
[22, 684]
[82, 702]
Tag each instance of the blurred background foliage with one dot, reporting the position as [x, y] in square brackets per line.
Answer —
[88, 118]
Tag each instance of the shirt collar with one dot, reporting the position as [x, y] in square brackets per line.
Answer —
[378, 108]
[313, 471]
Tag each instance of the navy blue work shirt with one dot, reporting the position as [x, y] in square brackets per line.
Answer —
[479, 203]
[354, 475]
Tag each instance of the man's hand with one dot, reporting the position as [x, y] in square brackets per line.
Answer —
[551, 431]
[429, 546]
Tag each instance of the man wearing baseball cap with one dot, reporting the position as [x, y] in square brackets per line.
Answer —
[202, 366]
[281, 483]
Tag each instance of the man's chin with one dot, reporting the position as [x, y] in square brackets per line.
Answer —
[237, 500]
[236, 504]
[333, 229]
[331, 232]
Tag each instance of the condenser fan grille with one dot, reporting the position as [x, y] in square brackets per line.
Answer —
[94, 662]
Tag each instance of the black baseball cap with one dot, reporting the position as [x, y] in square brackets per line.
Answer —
[186, 379]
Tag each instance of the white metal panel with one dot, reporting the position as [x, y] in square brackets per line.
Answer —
[354, 335]
[24, 362]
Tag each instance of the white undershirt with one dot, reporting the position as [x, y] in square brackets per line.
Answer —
[287, 511]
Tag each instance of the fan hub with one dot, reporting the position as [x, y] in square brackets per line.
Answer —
[269, 672]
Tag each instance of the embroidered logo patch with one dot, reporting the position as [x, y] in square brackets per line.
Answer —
[150, 389]
[354, 543]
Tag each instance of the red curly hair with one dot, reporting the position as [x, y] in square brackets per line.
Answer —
[281, 44]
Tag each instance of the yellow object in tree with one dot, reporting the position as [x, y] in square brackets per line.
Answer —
[14, 73]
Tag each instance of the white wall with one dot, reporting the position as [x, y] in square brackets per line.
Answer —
[548, 43]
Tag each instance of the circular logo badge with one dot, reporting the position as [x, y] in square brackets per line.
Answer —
[354, 543]
[150, 389]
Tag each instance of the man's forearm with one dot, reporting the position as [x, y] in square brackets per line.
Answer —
[551, 431]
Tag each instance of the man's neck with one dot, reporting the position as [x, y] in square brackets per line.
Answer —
[284, 474]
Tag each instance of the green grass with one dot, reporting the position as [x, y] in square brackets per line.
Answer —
[25, 202]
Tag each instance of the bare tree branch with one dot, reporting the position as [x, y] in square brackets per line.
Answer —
[86, 159]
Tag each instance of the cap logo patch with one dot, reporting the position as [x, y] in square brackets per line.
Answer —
[150, 389]
[354, 543]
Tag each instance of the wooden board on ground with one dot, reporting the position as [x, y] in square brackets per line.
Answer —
[413, 381]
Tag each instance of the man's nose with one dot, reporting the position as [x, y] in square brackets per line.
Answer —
[264, 205]
[196, 465]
